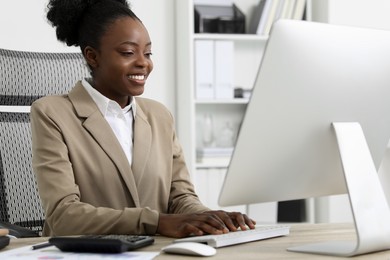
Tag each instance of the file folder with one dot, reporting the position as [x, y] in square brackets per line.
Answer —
[224, 69]
[204, 69]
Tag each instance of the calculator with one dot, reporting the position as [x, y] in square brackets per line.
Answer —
[4, 241]
[101, 243]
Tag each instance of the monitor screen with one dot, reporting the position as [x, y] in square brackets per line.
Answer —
[311, 75]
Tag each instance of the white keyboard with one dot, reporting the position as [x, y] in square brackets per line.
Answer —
[239, 237]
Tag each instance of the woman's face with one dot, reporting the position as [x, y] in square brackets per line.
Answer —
[122, 63]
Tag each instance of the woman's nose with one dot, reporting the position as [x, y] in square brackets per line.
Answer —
[142, 61]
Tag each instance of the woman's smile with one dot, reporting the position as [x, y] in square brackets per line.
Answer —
[139, 79]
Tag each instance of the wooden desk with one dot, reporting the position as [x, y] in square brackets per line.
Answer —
[274, 248]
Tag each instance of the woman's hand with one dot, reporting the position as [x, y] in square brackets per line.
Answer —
[210, 222]
[234, 220]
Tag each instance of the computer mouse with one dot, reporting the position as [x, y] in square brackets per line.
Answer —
[189, 248]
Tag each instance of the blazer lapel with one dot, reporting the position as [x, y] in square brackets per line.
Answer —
[98, 127]
[142, 143]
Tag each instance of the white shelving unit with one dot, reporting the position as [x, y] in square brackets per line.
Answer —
[248, 52]
[247, 56]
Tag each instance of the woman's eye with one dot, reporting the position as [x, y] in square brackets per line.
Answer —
[127, 53]
[148, 54]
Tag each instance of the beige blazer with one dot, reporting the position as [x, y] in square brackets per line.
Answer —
[84, 179]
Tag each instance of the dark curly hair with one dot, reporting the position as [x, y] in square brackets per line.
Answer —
[83, 22]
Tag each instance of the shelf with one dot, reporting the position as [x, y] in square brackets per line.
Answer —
[211, 165]
[233, 37]
[222, 101]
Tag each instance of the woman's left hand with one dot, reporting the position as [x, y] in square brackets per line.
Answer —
[234, 220]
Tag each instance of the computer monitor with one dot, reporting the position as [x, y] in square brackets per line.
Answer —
[318, 123]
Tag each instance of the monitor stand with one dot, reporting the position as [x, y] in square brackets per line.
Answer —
[368, 202]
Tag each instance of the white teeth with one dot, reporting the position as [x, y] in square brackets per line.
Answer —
[137, 77]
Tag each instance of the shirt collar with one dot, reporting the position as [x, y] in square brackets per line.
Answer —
[105, 104]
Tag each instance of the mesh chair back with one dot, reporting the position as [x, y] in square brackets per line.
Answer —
[25, 77]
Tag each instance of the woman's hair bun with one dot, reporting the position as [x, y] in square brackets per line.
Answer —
[66, 16]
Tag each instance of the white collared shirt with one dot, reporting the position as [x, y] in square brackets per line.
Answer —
[120, 119]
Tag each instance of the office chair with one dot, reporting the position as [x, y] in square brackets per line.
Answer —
[25, 77]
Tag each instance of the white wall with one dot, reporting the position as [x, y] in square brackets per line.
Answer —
[159, 17]
[362, 13]
[23, 26]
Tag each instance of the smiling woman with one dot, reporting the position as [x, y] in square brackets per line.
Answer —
[108, 161]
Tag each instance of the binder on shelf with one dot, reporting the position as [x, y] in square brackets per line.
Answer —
[255, 20]
[264, 16]
[299, 9]
[271, 17]
[204, 69]
[224, 69]
[268, 11]
[289, 9]
[280, 9]
[273, 10]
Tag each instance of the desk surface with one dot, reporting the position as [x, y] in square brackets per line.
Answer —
[274, 248]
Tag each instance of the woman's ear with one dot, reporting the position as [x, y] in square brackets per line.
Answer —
[90, 55]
